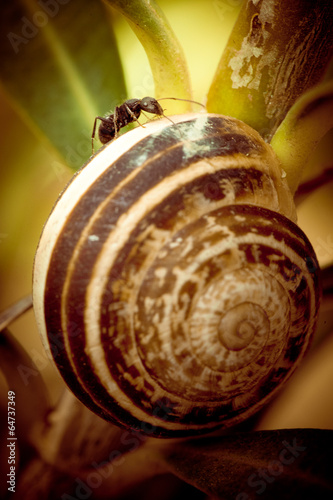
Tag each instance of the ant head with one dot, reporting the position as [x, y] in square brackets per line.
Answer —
[150, 105]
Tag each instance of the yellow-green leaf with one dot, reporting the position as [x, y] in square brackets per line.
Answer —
[303, 127]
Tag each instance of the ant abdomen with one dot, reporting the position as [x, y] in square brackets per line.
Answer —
[106, 132]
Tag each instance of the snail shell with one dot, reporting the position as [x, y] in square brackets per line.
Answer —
[171, 285]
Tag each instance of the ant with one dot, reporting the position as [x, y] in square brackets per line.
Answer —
[126, 113]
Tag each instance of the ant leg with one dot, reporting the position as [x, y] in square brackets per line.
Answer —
[148, 117]
[133, 115]
[165, 116]
[108, 134]
[115, 124]
[94, 132]
[159, 117]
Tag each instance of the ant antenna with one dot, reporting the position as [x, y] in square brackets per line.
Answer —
[179, 99]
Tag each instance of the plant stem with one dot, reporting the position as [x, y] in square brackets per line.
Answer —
[277, 50]
[163, 50]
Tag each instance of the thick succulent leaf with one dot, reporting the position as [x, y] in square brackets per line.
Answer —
[288, 464]
[305, 124]
[163, 50]
[60, 65]
[276, 51]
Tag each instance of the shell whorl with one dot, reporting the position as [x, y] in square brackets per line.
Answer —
[171, 286]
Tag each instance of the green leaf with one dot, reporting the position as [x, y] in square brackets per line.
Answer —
[276, 51]
[288, 464]
[61, 68]
[163, 50]
[301, 130]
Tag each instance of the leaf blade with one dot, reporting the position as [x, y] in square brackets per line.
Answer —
[71, 67]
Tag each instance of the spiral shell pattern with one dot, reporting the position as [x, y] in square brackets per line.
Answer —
[171, 286]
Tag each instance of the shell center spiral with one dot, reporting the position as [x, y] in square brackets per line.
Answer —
[236, 320]
[239, 325]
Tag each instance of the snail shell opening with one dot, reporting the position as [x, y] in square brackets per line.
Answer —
[171, 285]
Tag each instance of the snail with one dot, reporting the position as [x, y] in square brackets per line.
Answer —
[172, 286]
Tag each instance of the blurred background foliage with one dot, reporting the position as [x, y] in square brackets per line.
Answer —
[31, 178]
